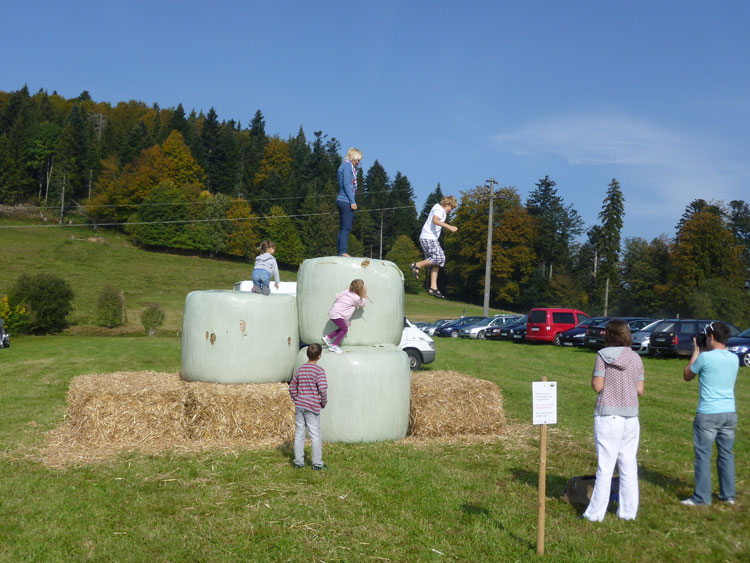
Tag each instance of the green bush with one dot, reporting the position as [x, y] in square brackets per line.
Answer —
[47, 297]
[14, 316]
[403, 253]
[110, 307]
[152, 318]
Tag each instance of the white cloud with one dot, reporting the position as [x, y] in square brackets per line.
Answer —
[666, 168]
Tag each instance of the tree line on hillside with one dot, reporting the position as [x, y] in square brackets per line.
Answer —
[195, 183]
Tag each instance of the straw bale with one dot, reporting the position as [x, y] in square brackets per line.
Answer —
[129, 408]
[157, 412]
[447, 403]
[239, 412]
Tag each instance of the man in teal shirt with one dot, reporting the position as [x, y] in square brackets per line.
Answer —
[716, 417]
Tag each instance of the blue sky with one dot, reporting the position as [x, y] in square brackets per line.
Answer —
[654, 93]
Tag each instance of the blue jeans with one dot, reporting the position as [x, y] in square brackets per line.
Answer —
[305, 418]
[262, 278]
[346, 218]
[707, 429]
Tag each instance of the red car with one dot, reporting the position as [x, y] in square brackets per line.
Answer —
[546, 324]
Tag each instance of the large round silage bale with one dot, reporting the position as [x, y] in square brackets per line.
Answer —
[369, 391]
[239, 337]
[381, 321]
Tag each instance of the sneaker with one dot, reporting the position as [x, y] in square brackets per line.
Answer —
[266, 290]
[729, 501]
[327, 342]
[336, 349]
[414, 270]
[323, 467]
[691, 502]
[298, 466]
[255, 289]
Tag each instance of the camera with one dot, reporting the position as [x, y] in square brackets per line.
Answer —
[700, 339]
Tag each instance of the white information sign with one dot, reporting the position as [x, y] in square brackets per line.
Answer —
[545, 402]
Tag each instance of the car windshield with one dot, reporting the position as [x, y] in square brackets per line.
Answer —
[745, 333]
[649, 327]
[664, 326]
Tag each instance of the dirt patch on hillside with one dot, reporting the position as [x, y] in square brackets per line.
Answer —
[156, 413]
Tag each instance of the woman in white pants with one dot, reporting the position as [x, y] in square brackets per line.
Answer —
[618, 380]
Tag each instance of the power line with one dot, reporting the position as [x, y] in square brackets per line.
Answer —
[97, 205]
[190, 221]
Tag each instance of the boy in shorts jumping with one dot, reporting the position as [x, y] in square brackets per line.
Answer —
[433, 252]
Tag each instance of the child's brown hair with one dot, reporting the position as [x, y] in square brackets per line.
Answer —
[357, 286]
[265, 245]
[314, 351]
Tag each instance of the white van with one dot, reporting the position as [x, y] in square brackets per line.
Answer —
[418, 346]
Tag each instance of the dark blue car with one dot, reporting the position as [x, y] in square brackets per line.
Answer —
[574, 336]
[674, 337]
[740, 345]
[451, 329]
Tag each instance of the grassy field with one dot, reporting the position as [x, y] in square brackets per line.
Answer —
[394, 501]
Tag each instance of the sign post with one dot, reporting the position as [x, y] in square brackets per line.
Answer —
[544, 395]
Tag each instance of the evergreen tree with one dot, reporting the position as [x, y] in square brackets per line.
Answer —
[611, 217]
[402, 253]
[281, 230]
[645, 268]
[252, 155]
[404, 214]
[557, 225]
[697, 206]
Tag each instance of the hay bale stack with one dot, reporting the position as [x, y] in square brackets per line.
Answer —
[255, 412]
[126, 408]
[447, 403]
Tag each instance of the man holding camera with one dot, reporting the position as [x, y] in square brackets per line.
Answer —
[716, 417]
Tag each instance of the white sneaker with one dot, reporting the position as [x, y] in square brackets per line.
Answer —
[337, 349]
[327, 342]
[690, 502]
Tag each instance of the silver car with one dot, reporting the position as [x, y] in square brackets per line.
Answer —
[641, 339]
[477, 331]
[430, 328]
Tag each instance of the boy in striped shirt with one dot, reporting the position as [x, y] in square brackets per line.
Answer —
[309, 392]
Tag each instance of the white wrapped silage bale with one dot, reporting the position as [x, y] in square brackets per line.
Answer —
[381, 321]
[239, 337]
[369, 392]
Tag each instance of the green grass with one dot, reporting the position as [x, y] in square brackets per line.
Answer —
[386, 501]
[394, 501]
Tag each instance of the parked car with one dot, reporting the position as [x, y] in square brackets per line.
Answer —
[451, 329]
[432, 327]
[505, 332]
[575, 335]
[674, 337]
[595, 335]
[519, 334]
[546, 324]
[479, 330]
[740, 345]
[4, 335]
[641, 338]
[418, 346]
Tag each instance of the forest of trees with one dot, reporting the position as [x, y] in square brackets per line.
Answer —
[195, 183]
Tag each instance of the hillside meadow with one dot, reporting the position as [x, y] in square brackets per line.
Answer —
[395, 501]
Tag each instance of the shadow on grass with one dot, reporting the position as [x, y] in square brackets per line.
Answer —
[482, 512]
[670, 484]
[287, 450]
[555, 483]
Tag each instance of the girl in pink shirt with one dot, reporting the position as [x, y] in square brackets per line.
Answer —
[341, 313]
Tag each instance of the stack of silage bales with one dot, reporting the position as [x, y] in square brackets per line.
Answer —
[369, 385]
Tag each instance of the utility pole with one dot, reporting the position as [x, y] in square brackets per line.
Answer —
[488, 262]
